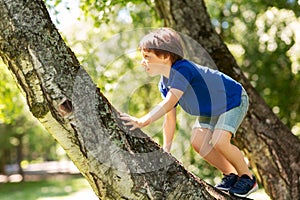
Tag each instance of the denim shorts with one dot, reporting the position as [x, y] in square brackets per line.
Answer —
[228, 121]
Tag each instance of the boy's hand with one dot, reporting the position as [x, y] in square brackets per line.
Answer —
[133, 121]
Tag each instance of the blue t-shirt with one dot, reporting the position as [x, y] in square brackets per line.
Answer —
[206, 92]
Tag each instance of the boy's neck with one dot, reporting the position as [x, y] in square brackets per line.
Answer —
[167, 69]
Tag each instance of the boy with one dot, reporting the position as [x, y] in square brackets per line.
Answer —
[219, 102]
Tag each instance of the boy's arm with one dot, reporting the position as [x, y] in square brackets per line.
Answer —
[169, 129]
[161, 109]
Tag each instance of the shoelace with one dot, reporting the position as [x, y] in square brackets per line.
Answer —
[226, 178]
[242, 183]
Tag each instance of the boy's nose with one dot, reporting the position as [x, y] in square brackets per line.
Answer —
[143, 62]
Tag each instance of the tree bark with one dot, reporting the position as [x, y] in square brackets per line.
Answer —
[118, 164]
[273, 151]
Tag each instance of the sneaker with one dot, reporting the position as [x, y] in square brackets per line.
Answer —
[227, 182]
[244, 186]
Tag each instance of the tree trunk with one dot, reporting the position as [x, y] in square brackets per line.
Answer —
[19, 150]
[273, 151]
[3, 151]
[3, 160]
[118, 164]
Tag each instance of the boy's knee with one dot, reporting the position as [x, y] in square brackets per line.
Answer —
[201, 147]
[217, 144]
[201, 150]
[220, 140]
[198, 139]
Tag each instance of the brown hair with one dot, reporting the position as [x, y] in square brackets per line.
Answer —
[163, 42]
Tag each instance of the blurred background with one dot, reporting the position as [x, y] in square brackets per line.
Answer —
[264, 37]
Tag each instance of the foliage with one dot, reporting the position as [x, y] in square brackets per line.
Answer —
[11, 102]
[17, 130]
[264, 38]
[104, 11]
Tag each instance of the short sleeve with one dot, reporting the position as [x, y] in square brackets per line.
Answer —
[180, 78]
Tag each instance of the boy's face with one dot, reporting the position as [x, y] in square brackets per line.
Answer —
[155, 65]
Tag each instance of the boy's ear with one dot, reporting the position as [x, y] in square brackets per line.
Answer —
[167, 57]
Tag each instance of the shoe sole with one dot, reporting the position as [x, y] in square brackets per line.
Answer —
[223, 189]
[255, 188]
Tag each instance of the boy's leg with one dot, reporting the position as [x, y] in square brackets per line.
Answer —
[246, 183]
[225, 127]
[221, 143]
[201, 142]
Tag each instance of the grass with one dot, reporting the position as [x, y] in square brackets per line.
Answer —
[47, 189]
